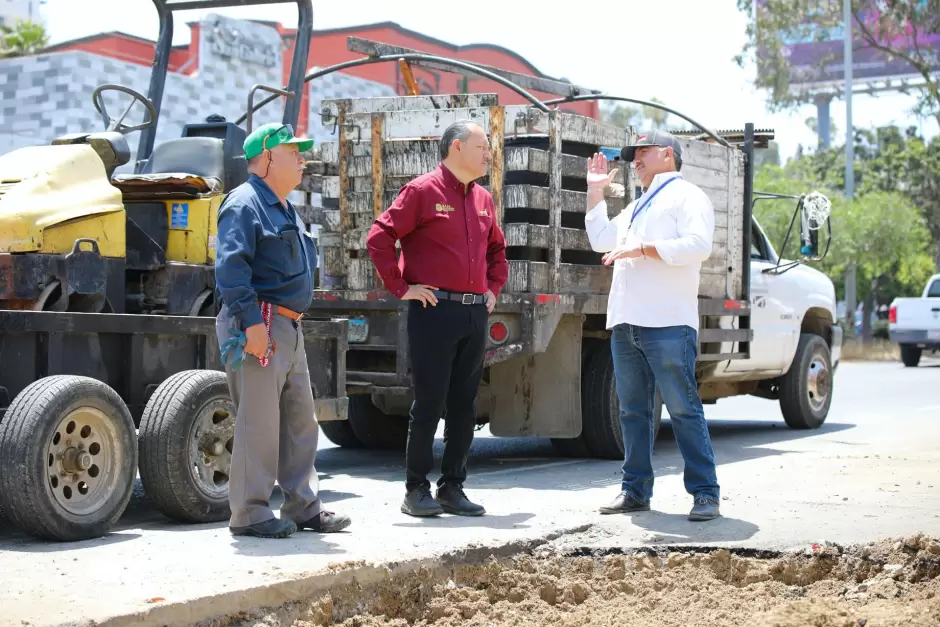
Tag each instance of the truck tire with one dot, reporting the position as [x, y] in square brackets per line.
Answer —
[910, 355]
[68, 459]
[187, 432]
[374, 428]
[602, 406]
[340, 433]
[806, 389]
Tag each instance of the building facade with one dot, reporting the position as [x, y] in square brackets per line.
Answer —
[50, 94]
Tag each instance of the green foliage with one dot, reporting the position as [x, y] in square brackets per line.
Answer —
[888, 159]
[881, 230]
[817, 20]
[23, 38]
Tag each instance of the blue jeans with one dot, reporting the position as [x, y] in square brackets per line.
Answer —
[645, 357]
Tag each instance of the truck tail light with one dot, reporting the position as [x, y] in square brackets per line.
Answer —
[498, 332]
[893, 314]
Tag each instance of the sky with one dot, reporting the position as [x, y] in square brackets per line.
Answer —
[678, 51]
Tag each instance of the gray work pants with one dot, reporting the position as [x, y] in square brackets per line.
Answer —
[276, 430]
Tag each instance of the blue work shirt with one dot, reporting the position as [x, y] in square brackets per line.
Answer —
[262, 253]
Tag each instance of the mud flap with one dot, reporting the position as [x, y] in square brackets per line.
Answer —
[539, 395]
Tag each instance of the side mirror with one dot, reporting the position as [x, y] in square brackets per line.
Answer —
[814, 211]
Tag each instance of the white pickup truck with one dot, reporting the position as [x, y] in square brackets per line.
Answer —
[914, 323]
[797, 345]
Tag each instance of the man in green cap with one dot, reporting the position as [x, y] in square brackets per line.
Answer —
[264, 269]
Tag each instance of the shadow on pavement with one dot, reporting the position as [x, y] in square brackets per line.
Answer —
[494, 464]
[532, 463]
[508, 521]
[677, 528]
[301, 542]
[15, 540]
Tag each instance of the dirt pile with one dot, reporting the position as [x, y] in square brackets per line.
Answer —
[891, 583]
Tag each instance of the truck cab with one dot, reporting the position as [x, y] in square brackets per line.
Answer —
[914, 323]
[783, 305]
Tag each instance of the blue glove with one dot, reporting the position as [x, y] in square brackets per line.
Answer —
[234, 349]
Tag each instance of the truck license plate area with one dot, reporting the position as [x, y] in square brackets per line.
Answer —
[358, 330]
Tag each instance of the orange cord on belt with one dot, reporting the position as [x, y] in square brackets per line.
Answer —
[266, 315]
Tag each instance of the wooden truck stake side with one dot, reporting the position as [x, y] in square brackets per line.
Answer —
[547, 341]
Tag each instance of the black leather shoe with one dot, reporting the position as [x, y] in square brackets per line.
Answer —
[273, 528]
[326, 522]
[624, 503]
[704, 508]
[418, 502]
[453, 500]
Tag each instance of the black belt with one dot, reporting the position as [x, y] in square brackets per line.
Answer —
[464, 299]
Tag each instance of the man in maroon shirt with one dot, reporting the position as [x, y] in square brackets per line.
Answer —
[452, 267]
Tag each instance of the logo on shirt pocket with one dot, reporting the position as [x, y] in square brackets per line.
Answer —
[439, 208]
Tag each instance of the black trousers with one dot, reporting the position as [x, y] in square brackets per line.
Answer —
[447, 344]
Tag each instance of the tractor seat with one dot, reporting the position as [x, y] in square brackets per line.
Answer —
[186, 167]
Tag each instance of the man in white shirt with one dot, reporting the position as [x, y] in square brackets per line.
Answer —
[657, 245]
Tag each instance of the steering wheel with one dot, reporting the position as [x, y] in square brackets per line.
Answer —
[118, 125]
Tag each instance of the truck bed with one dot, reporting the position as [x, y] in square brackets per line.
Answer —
[134, 353]
[537, 180]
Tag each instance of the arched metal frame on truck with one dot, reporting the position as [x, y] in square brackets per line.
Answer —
[548, 363]
[75, 385]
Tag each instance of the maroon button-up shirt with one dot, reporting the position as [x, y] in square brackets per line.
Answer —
[449, 237]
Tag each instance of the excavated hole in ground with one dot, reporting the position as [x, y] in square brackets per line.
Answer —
[890, 583]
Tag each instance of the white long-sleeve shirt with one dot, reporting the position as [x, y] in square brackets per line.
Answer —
[680, 222]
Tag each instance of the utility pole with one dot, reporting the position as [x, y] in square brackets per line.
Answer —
[849, 141]
[850, 271]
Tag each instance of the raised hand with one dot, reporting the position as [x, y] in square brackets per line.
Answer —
[597, 175]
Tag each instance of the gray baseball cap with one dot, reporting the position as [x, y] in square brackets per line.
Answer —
[653, 138]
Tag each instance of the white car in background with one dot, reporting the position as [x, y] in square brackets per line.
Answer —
[914, 323]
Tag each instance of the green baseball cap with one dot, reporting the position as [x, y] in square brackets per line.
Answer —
[271, 135]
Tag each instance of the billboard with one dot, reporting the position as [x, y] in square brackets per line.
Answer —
[816, 58]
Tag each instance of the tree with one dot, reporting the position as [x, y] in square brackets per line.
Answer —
[880, 231]
[890, 159]
[898, 29]
[23, 38]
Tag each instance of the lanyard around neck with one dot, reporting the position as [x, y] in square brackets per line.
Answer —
[649, 199]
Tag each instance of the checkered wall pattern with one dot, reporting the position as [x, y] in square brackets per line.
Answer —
[49, 95]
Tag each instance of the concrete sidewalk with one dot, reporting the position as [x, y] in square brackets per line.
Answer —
[860, 478]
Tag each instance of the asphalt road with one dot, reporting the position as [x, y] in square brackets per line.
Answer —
[868, 473]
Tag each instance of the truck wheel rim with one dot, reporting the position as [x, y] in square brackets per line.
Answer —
[83, 458]
[210, 448]
[818, 383]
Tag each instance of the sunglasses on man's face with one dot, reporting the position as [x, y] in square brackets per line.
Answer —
[264, 142]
